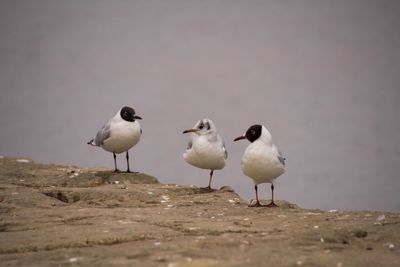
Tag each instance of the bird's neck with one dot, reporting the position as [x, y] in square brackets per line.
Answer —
[266, 137]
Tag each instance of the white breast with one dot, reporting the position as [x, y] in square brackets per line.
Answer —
[124, 135]
[205, 154]
[260, 162]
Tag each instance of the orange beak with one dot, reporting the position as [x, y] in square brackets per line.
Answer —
[190, 131]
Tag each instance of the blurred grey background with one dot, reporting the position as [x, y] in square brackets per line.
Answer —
[323, 76]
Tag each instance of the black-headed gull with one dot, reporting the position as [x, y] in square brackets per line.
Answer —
[261, 161]
[119, 134]
[205, 150]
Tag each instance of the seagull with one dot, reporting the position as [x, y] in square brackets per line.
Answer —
[119, 134]
[205, 150]
[262, 161]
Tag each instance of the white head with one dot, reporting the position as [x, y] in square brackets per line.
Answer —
[203, 127]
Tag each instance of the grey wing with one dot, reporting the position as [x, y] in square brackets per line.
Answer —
[102, 135]
[189, 145]
[281, 158]
[225, 151]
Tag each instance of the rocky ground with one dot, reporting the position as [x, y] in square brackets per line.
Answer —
[64, 216]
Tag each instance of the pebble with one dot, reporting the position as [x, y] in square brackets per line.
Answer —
[389, 246]
[124, 222]
[73, 259]
[381, 217]
[23, 160]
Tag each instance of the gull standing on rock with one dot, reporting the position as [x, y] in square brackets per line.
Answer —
[205, 150]
[120, 134]
[262, 161]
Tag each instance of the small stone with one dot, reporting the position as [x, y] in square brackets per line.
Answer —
[381, 217]
[389, 246]
[23, 160]
[164, 198]
[161, 259]
[73, 259]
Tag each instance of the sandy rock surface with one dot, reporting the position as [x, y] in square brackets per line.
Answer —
[64, 216]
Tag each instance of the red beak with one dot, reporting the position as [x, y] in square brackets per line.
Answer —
[239, 138]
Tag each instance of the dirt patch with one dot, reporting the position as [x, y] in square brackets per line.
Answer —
[53, 215]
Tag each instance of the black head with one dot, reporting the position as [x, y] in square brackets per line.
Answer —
[254, 132]
[128, 114]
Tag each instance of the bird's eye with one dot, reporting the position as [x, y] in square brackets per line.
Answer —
[201, 126]
[253, 132]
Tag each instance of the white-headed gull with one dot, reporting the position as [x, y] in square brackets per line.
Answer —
[205, 150]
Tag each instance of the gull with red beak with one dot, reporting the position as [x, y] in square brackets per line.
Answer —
[261, 161]
[119, 134]
[205, 150]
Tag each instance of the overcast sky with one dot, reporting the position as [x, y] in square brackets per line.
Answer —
[322, 76]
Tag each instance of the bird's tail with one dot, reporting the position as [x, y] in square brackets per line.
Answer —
[91, 143]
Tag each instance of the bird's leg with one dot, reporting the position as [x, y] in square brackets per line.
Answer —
[272, 204]
[115, 163]
[127, 162]
[257, 204]
[209, 182]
